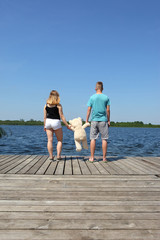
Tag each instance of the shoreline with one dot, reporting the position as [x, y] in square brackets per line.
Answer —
[113, 124]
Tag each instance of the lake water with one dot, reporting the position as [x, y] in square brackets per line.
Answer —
[122, 141]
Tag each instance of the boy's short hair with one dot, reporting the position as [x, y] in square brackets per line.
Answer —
[99, 86]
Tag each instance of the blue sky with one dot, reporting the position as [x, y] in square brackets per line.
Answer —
[69, 45]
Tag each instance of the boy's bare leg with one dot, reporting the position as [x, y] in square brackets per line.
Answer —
[104, 148]
[92, 148]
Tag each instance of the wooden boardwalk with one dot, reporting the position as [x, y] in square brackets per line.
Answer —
[75, 199]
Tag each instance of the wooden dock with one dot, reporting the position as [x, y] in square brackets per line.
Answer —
[71, 199]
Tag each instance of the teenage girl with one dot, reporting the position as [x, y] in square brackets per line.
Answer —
[52, 114]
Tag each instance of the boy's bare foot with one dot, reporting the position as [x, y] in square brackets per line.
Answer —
[91, 160]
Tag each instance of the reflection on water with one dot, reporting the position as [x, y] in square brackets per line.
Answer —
[122, 141]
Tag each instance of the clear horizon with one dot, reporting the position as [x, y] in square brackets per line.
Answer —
[69, 46]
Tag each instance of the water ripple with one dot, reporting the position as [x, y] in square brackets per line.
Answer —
[122, 141]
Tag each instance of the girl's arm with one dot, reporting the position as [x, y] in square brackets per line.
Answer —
[45, 116]
[62, 116]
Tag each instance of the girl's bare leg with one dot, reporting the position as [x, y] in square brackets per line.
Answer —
[50, 142]
[59, 135]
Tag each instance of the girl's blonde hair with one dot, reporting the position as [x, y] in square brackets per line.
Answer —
[54, 98]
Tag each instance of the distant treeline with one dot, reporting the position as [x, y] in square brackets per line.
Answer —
[134, 124]
[113, 124]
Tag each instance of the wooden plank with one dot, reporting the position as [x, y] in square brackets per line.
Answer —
[84, 189]
[9, 161]
[68, 166]
[79, 196]
[92, 168]
[108, 167]
[84, 168]
[131, 168]
[79, 215]
[139, 170]
[21, 165]
[127, 170]
[79, 234]
[84, 183]
[30, 164]
[149, 169]
[140, 166]
[118, 169]
[79, 208]
[76, 167]
[51, 169]
[37, 165]
[74, 224]
[80, 178]
[101, 169]
[60, 167]
[15, 163]
[149, 165]
[71, 202]
[44, 167]
[4, 158]
[152, 160]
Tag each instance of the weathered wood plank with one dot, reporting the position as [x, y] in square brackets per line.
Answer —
[74, 224]
[92, 168]
[83, 189]
[60, 167]
[121, 165]
[76, 167]
[5, 158]
[87, 184]
[79, 215]
[140, 166]
[101, 169]
[79, 208]
[68, 177]
[71, 202]
[9, 161]
[37, 165]
[44, 167]
[150, 169]
[80, 196]
[84, 168]
[139, 170]
[51, 169]
[21, 165]
[80, 234]
[68, 166]
[14, 163]
[108, 166]
[29, 165]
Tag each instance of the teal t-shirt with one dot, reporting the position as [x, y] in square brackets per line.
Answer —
[98, 103]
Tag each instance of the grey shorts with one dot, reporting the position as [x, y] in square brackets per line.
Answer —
[99, 127]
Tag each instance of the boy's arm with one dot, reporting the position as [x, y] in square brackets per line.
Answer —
[108, 114]
[88, 114]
